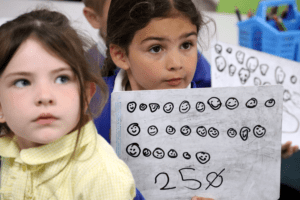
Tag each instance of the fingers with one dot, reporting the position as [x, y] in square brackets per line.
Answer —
[287, 150]
[286, 145]
[201, 198]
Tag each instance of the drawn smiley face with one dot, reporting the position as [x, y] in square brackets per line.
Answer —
[172, 153]
[158, 153]
[244, 133]
[203, 157]
[232, 103]
[170, 130]
[259, 131]
[152, 130]
[251, 103]
[184, 107]
[231, 132]
[168, 107]
[213, 132]
[146, 152]
[186, 155]
[185, 130]
[143, 106]
[131, 106]
[220, 63]
[215, 103]
[244, 75]
[200, 106]
[270, 103]
[201, 130]
[133, 150]
[133, 129]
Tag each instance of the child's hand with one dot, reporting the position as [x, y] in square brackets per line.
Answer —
[201, 198]
[287, 150]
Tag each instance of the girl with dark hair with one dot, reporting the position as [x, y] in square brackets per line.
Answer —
[49, 145]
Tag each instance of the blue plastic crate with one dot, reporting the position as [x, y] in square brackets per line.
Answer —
[262, 35]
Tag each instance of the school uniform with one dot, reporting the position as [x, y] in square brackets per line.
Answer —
[95, 172]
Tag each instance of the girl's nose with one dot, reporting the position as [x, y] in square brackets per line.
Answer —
[44, 96]
[174, 61]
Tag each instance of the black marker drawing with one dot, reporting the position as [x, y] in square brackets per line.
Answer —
[257, 81]
[229, 50]
[259, 131]
[214, 177]
[252, 64]
[232, 103]
[244, 75]
[152, 130]
[200, 106]
[294, 123]
[202, 157]
[266, 83]
[153, 107]
[201, 130]
[215, 103]
[146, 152]
[158, 153]
[231, 132]
[270, 103]
[293, 79]
[194, 180]
[143, 106]
[186, 155]
[220, 63]
[131, 106]
[218, 48]
[279, 75]
[168, 107]
[172, 153]
[244, 133]
[184, 107]
[286, 95]
[185, 130]
[251, 103]
[213, 132]
[264, 69]
[170, 130]
[133, 150]
[232, 69]
[133, 129]
[240, 57]
[165, 186]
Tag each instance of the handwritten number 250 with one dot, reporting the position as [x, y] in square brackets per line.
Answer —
[170, 188]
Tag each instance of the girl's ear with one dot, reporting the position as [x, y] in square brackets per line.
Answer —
[2, 117]
[118, 56]
[90, 91]
[92, 17]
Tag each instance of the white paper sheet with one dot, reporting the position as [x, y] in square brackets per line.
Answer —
[222, 143]
[238, 66]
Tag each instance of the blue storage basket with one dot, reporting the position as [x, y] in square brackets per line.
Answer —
[262, 35]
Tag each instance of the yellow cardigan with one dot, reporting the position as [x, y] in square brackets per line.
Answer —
[95, 173]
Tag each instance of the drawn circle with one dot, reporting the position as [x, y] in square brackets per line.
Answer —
[152, 130]
[202, 157]
[244, 133]
[293, 79]
[168, 107]
[133, 150]
[185, 130]
[184, 107]
[231, 132]
[143, 106]
[232, 103]
[172, 153]
[200, 106]
[215, 103]
[158, 153]
[213, 132]
[251, 103]
[170, 130]
[201, 130]
[154, 107]
[186, 155]
[259, 131]
[146, 152]
[133, 129]
[131, 106]
[270, 103]
[220, 63]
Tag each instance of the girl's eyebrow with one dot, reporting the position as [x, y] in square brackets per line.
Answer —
[185, 35]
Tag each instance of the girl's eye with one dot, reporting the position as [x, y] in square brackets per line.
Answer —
[62, 79]
[21, 83]
[156, 49]
[186, 45]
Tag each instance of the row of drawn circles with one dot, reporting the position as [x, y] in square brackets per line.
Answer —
[134, 150]
[258, 131]
[214, 102]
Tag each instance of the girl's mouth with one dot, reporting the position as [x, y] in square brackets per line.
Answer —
[174, 81]
[45, 119]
